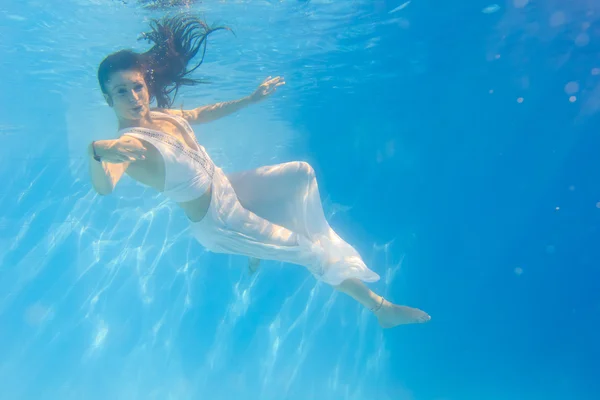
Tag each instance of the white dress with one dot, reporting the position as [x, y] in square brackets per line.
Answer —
[275, 213]
[270, 213]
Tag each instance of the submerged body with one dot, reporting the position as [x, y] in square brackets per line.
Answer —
[174, 163]
[272, 213]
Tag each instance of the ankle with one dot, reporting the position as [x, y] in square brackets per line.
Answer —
[377, 306]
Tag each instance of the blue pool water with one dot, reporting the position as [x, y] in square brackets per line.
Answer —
[456, 147]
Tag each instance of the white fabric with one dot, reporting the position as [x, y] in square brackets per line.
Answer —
[188, 171]
[275, 213]
[270, 213]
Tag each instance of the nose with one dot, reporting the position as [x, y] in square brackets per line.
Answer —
[134, 96]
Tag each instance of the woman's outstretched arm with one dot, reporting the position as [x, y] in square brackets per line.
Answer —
[204, 114]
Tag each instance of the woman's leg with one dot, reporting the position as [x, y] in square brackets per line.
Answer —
[230, 228]
[286, 194]
[237, 230]
[389, 315]
[292, 194]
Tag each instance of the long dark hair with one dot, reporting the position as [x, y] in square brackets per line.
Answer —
[177, 40]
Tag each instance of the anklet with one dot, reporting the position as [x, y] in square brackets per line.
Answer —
[377, 308]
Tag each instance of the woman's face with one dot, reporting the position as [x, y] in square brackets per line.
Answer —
[128, 95]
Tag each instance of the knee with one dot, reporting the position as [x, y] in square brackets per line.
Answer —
[297, 170]
[306, 169]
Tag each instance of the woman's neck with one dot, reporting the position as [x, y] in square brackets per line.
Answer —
[130, 123]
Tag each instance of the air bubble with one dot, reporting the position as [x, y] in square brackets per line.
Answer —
[582, 40]
[492, 8]
[572, 87]
[520, 3]
[557, 19]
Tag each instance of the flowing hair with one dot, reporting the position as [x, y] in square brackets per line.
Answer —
[176, 42]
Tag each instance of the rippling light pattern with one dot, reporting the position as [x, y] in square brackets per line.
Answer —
[109, 297]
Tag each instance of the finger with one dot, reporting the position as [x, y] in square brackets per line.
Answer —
[279, 84]
[118, 158]
[134, 150]
[272, 89]
[134, 156]
[115, 157]
[134, 147]
[114, 160]
[124, 157]
[136, 153]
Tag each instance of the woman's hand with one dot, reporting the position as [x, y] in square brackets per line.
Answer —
[266, 88]
[124, 149]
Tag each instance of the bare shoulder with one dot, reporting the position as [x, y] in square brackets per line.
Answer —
[189, 115]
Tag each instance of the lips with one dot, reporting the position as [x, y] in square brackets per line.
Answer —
[137, 109]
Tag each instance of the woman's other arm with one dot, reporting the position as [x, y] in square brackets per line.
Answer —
[109, 159]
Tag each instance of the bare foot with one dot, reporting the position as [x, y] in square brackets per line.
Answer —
[253, 264]
[391, 315]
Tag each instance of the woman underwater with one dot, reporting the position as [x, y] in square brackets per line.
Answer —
[271, 213]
